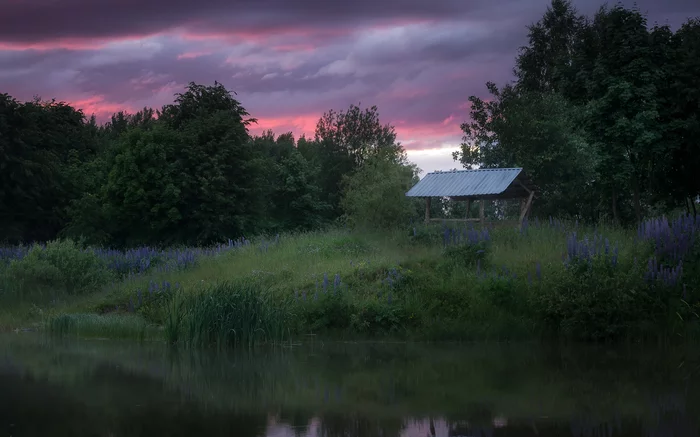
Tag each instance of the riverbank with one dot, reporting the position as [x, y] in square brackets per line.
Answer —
[436, 283]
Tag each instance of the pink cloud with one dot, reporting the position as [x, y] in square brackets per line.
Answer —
[71, 43]
[298, 125]
[193, 55]
[98, 106]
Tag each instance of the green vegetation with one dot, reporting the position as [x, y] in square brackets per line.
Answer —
[152, 213]
[502, 284]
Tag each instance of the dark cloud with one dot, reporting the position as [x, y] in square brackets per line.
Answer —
[41, 20]
[289, 60]
[31, 21]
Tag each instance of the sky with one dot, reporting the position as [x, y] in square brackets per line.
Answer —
[288, 60]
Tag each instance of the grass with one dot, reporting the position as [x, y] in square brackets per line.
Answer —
[227, 314]
[117, 326]
[421, 284]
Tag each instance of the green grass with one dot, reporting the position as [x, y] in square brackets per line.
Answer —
[116, 326]
[227, 314]
[275, 294]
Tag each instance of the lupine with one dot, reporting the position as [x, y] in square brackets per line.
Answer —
[336, 281]
[588, 249]
[673, 239]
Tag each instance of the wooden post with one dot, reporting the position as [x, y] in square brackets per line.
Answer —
[481, 213]
[427, 210]
[526, 209]
[469, 206]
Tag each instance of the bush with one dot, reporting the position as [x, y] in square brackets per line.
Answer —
[326, 312]
[378, 316]
[465, 255]
[374, 196]
[428, 235]
[599, 301]
[60, 266]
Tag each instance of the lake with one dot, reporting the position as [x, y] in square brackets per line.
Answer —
[109, 388]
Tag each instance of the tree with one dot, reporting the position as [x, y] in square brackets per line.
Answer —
[194, 178]
[374, 196]
[345, 141]
[681, 112]
[538, 132]
[623, 106]
[545, 64]
[42, 146]
[293, 198]
[201, 101]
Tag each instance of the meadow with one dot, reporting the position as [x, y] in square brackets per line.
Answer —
[550, 279]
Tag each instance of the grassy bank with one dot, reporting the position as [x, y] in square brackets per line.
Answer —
[552, 278]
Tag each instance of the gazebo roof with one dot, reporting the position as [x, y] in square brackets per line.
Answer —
[494, 183]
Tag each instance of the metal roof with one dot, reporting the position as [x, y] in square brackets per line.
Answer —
[455, 183]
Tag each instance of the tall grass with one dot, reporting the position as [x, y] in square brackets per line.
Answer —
[117, 326]
[232, 314]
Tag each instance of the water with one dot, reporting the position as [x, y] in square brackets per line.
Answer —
[105, 388]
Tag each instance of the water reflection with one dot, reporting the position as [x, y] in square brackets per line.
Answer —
[122, 389]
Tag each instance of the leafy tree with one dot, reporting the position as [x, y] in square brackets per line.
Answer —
[623, 108]
[681, 112]
[538, 132]
[375, 195]
[345, 140]
[193, 178]
[41, 145]
[545, 64]
[292, 195]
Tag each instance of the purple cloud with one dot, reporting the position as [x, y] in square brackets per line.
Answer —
[288, 61]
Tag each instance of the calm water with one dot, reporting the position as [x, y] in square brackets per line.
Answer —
[103, 388]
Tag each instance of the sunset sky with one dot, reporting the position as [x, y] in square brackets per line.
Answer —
[288, 60]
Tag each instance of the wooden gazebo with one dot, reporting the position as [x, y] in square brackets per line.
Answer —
[473, 185]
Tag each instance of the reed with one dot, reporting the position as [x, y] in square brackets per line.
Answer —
[228, 314]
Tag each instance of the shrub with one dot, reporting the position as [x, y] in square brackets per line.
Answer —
[325, 312]
[378, 316]
[598, 301]
[374, 197]
[465, 255]
[59, 266]
[428, 235]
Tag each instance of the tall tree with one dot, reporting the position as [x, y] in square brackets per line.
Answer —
[623, 107]
[345, 140]
[194, 178]
[539, 132]
[545, 64]
[682, 112]
[292, 195]
[41, 145]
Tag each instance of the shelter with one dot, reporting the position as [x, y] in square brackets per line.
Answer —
[471, 185]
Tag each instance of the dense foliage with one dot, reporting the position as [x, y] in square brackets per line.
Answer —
[189, 173]
[604, 115]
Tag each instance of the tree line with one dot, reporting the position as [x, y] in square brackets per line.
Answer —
[604, 115]
[188, 173]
